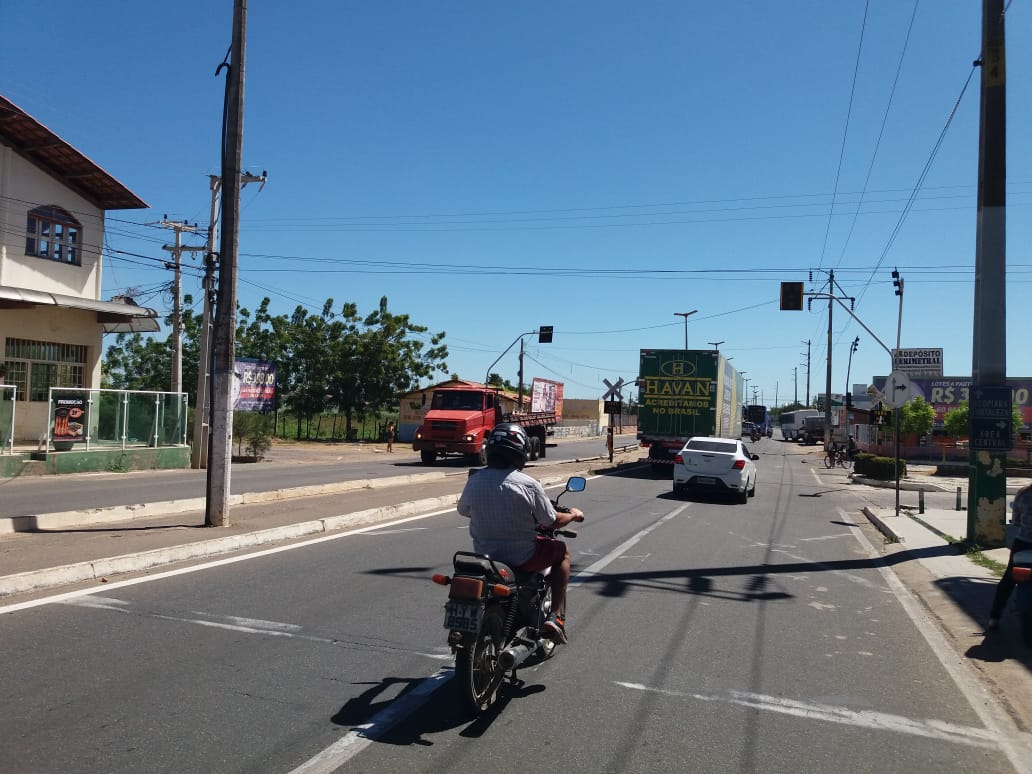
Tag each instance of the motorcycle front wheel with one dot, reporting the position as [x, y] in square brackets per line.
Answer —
[476, 668]
[547, 649]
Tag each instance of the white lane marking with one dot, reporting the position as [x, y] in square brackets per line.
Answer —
[825, 537]
[395, 531]
[353, 742]
[880, 721]
[107, 587]
[995, 718]
[586, 574]
[816, 476]
[850, 576]
[243, 625]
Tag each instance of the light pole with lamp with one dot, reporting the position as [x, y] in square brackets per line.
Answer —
[686, 315]
[716, 345]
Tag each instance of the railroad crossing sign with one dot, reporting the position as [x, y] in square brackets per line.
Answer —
[614, 390]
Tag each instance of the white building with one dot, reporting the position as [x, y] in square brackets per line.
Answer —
[53, 202]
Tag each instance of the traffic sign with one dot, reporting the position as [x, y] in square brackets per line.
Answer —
[898, 390]
[989, 418]
[614, 389]
[613, 407]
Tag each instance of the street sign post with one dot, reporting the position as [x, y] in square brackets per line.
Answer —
[989, 417]
[613, 405]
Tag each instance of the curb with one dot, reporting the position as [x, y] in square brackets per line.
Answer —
[100, 569]
[117, 513]
[881, 526]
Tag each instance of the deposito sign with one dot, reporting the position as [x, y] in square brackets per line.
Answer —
[917, 362]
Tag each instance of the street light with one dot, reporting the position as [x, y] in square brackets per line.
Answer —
[716, 345]
[848, 396]
[686, 315]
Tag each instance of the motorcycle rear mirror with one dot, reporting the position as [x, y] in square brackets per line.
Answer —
[576, 484]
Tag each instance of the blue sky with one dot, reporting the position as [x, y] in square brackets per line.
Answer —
[595, 166]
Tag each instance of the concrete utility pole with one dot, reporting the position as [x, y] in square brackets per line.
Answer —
[220, 454]
[177, 251]
[990, 403]
[199, 452]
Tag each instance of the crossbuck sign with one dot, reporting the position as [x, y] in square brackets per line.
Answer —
[614, 390]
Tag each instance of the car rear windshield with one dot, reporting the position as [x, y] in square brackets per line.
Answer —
[713, 446]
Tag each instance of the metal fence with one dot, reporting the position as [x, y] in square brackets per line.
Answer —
[8, 393]
[115, 418]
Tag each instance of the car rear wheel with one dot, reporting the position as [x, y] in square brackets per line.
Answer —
[743, 496]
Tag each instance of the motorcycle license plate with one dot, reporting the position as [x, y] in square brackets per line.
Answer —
[462, 617]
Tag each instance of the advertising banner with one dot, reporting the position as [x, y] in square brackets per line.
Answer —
[69, 420]
[546, 395]
[946, 394]
[254, 385]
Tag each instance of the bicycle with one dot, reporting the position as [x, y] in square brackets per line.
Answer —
[837, 456]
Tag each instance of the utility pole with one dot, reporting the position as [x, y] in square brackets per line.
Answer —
[202, 408]
[177, 251]
[990, 402]
[221, 422]
[807, 343]
[795, 381]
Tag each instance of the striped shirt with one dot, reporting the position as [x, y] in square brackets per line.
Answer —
[504, 507]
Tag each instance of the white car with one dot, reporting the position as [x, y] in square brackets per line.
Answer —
[716, 465]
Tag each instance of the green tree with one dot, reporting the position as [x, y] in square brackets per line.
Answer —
[916, 417]
[956, 421]
[495, 380]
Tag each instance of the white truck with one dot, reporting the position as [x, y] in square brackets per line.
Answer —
[793, 423]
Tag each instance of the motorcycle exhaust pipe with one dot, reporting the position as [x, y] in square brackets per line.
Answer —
[513, 656]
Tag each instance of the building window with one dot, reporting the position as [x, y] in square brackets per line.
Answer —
[52, 233]
[36, 366]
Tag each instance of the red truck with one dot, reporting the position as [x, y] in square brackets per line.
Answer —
[460, 418]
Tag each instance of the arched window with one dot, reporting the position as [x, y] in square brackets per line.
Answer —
[53, 233]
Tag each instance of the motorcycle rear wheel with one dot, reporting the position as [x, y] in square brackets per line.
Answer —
[476, 668]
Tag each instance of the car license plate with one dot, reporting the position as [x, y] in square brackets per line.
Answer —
[462, 617]
[705, 480]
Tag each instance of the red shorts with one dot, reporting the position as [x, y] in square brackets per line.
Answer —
[548, 552]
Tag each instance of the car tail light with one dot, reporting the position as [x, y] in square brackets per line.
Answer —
[739, 465]
[1021, 574]
[679, 459]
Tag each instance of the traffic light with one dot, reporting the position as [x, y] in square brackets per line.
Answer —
[792, 296]
[545, 334]
[897, 282]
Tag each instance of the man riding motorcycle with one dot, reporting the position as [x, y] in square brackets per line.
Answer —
[505, 506]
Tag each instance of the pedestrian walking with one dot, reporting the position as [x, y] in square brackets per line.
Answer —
[390, 437]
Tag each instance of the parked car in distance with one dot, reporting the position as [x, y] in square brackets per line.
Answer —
[747, 428]
[716, 465]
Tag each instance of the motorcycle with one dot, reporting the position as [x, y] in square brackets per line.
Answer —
[754, 435]
[495, 617]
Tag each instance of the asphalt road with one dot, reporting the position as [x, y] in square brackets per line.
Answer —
[705, 636]
[286, 467]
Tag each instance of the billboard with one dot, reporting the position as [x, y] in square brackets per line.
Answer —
[946, 394]
[254, 385]
[918, 362]
[546, 395]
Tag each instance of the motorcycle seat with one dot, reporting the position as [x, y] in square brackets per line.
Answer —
[479, 564]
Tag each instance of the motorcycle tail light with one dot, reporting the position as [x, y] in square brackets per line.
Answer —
[501, 590]
[1021, 574]
[466, 588]
[440, 580]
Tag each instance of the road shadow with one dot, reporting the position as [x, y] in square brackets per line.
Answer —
[442, 710]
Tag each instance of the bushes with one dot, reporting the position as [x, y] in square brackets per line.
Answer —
[880, 468]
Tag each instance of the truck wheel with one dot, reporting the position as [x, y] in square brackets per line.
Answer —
[427, 457]
[478, 458]
[535, 449]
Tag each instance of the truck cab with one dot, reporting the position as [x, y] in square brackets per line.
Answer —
[457, 422]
